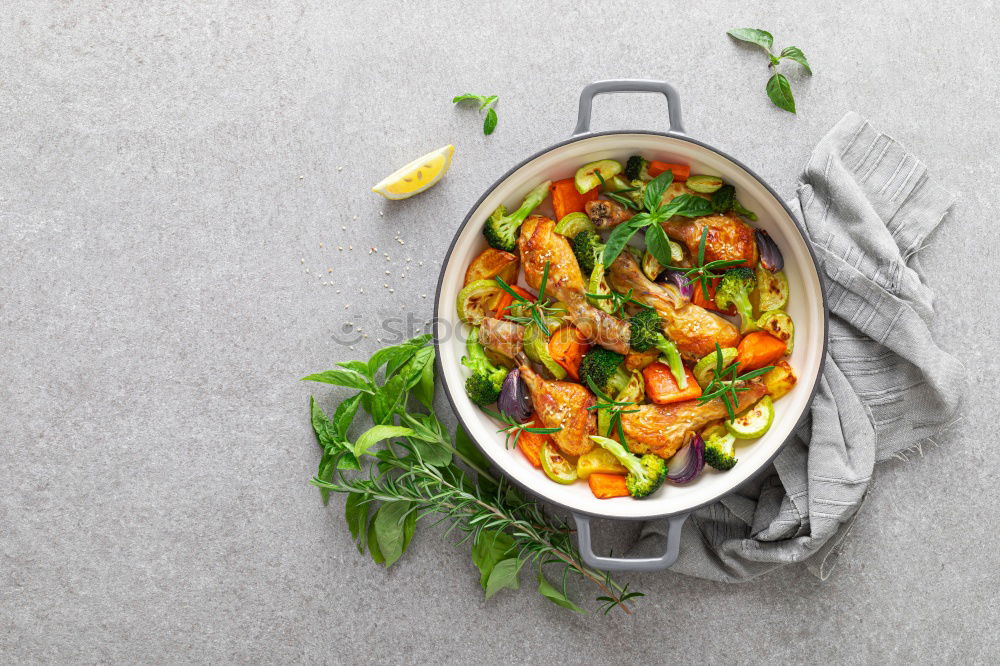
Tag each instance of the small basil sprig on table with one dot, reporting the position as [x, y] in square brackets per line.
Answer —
[484, 102]
[407, 466]
[778, 87]
[652, 215]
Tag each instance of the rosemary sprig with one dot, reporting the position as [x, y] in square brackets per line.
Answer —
[514, 429]
[727, 384]
[618, 301]
[702, 273]
[538, 311]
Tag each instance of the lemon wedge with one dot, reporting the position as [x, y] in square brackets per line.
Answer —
[417, 176]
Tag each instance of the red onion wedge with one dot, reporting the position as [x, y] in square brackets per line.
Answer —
[514, 400]
[687, 463]
[770, 254]
[677, 278]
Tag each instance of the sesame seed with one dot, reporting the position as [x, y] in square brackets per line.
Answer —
[386, 286]
[392, 291]
[340, 168]
[343, 228]
[350, 247]
[423, 295]
[338, 291]
[388, 273]
[380, 213]
[302, 260]
[321, 245]
[340, 248]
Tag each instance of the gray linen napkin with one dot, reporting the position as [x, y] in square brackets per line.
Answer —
[867, 204]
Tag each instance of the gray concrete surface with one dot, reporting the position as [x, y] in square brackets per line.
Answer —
[169, 170]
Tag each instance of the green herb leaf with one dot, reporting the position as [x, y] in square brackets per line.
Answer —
[620, 237]
[490, 122]
[555, 596]
[344, 415]
[489, 548]
[756, 36]
[685, 205]
[654, 190]
[389, 530]
[780, 92]
[424, 390]
[504, 574]
[395, 356]
[487, 101]
[468, 97]
[796, 54]
[429, 439]
[356, 515]
[659, 245]
[343, 377]
[373, 548]
[376, 434]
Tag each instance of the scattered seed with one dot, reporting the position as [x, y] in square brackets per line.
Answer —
[392, 291]
[302, 260]
[321, 245]
[343, 228]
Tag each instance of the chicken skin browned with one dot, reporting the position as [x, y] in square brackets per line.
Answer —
[502, 336]
[694, 329]
[663, 429]
[538, 244]
[606, 214]
[562, 405]
[729, 238]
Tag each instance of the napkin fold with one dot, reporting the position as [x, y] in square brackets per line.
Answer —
[867, 205]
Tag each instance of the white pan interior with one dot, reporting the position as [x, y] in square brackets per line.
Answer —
[805, 307]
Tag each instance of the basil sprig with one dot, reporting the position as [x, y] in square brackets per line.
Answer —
[778, 88]
[484, 102]
[654, 214]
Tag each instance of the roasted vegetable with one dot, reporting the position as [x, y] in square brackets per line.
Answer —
[501, 229]
[635, 168]
[646, 331]
[724, 200]
[779, 380]
[566, 200]
[686, 464]
[514, 400]
[607, 486]
[770, 254]
[590, 175]
[536, 346]
[661, 387]
[680, 171]
[556, 466]
[573, 224]
[587, 248]
[719, 448]
[604, 369]
[772, 290]
[757, 350]
[598, 461]
[734, 289]
[705, 367]
[754, 422]
[778, 324]
[705, 184]
[567, 347]
[645, 474]
[680, 282]
[483, 386]
[478, 300]
[490, 263]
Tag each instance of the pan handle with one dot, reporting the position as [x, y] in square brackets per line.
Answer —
[674, 524]
[628, 85]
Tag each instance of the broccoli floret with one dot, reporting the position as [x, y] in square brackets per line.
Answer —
[635, 168]
[501, 229]
[587, 248]
[604, 369]
[645, 474]
[719, 452]
[483, 386]
[724, 201]
[734, 289]
[646, 332]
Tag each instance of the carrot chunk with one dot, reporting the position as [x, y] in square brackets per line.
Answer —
[566, 200]
[661, 387]
[681, 171]
[567, 347]
[759, 349]
[606, 486]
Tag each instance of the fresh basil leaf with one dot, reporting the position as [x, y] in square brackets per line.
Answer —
[424, 390]
[504, 574]
[659, 245]
[796, 54]
[780, 92]
[468, 449]
[655, 189]
[376, 434]
[373, 548]
[389, 530]
[342, 377]
[467, 97]
[325, 473]
[489, 548]
[356, 515]
[395, 356]
[384, 404]
[487, 101]
[620, 237]
[555, 596]
[357, 366]
[347, 460]
[490, 122]
[753, 35]
[413, 368]
[409, 528]
[320, 424]
[344, 415]
[427, 438]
